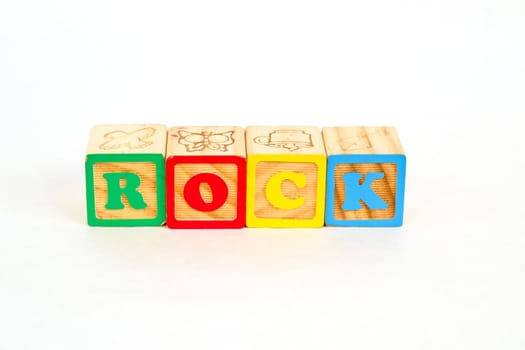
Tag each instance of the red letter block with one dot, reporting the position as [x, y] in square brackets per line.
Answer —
[206, 177]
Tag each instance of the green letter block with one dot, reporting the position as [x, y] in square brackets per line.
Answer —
[125, 175]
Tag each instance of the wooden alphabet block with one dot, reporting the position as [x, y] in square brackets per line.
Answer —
[365, 176]
[125, 175]
[206, 177]
[285, 177]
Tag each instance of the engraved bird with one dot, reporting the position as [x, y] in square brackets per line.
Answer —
[132, 140]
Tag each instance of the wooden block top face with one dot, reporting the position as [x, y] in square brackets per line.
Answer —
[287, 140]
[127, 139]
[183, 172]
[361, 140]
[206, 141]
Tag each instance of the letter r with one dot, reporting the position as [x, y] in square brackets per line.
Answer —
[354, 192]
[115, 191]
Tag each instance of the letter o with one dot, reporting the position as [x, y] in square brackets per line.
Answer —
[219, 191]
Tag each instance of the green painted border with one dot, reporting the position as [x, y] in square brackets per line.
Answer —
[160, 163]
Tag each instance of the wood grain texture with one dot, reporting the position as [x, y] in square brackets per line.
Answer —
[385, 188]
[264, 209]
[184, 171]
[206, 141]
[148, 188]
[279, 159]
[291, 140]
[194, 150]
[361, 140]
[127, 139]
[370, 141]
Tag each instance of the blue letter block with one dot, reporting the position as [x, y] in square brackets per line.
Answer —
[365, 189]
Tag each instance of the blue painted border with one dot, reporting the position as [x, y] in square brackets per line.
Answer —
[334, 160]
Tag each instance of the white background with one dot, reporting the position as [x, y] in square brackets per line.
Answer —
[450, 75]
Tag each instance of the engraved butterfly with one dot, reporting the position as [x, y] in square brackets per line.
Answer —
[199, 141]
[133, 140]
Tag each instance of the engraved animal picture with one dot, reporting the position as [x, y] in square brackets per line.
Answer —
[120, 139]
[195, 142]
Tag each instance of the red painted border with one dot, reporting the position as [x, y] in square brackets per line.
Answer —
[238, 222]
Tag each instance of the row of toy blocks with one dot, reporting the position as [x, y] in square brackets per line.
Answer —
[218, 177]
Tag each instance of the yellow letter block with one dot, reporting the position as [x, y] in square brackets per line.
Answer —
[286, 176]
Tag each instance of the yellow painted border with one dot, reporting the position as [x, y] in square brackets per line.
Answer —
[316, 221]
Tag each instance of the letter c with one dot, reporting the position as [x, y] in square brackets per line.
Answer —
[274, 194]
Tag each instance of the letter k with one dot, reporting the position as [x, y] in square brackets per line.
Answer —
[354, 192]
